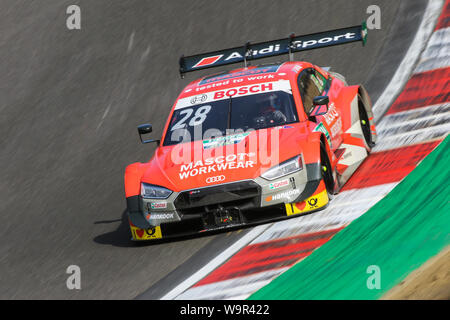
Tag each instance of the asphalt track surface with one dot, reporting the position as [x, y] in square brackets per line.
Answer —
[70, 102]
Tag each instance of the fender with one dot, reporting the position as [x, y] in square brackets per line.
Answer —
[311, 149]
[133, 174]
[367, 102]
[348, 102]
[311, 157]
[348, 96]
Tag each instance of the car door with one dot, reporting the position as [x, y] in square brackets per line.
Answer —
[312, 83]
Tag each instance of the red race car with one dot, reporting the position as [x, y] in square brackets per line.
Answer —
[251, 145]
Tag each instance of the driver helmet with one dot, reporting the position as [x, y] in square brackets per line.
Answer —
[271, 103]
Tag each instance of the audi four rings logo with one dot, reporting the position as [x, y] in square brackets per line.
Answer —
[215, 179]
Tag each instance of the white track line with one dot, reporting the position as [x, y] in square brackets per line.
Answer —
[408, 63]
[343, 209]
[437, 53]
[231, 288]
[216, 262]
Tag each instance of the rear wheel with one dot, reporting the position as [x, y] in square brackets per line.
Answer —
[365, 123]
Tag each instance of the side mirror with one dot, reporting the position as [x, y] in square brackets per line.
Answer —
[320, 106]
[144, 129]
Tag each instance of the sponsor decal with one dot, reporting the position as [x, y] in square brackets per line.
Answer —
[215, 179]
[199, 99]
[332, 114]
[283, 195]
[279, 184]
[161, 216]
[217, 164]
[336, 128]
[141, 234]
[312, 202]
[316, 201]
[276, 47]
[223, 141]
[280, 85]
[261, 87]
[213, 85]
[321, 128]
[158, 205]
[208, 61]
[249, 72]
[325, 40]
[300, 205]
[284, 127]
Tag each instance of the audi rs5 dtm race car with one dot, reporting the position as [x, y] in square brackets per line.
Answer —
[251, 145]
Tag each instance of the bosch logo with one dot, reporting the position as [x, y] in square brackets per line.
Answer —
[215, 179]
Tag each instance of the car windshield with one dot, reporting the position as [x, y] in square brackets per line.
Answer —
[216, 118]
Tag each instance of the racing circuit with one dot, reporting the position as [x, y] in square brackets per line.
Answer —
[71, 101]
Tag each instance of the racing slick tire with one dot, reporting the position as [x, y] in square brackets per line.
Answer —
[326, 171]
[365, 124]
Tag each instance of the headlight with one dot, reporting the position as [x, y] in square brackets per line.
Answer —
[149, 191]
[284, 168]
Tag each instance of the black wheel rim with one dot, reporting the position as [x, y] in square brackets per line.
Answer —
[325, 169]
[365, 125]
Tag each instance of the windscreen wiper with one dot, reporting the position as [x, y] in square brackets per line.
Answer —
[230, 106]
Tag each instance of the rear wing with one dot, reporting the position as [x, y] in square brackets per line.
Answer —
[273, 48]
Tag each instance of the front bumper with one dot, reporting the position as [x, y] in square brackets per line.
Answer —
[228, 205]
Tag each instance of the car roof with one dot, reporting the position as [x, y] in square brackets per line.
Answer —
[243, 76]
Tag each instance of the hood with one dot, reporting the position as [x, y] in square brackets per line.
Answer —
[235, 157]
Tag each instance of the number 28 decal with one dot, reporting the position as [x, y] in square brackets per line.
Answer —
[198, 118]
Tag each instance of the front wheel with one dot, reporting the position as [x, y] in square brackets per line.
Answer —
[326, 171]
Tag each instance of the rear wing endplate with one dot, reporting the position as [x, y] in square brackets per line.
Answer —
[273, 48]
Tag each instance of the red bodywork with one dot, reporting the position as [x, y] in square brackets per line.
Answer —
[162, 171]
